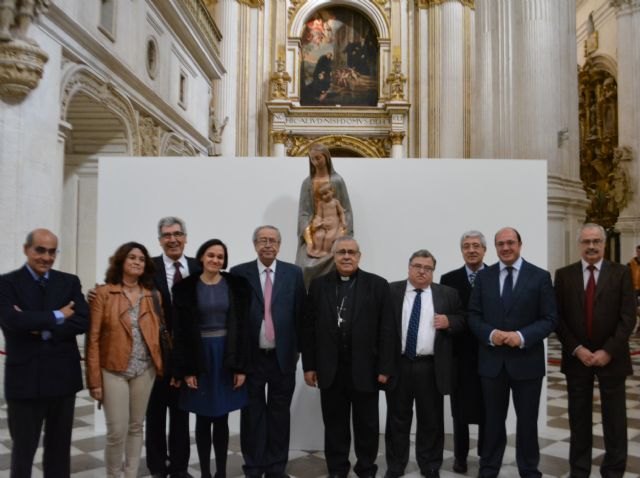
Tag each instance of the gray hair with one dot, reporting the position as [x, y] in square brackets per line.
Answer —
[591, 225]
[343, 239]
[473, 233]
[424, 254]
[170, 221]
[28, 241]
[266, 226]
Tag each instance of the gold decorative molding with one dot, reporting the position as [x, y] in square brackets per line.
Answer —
[433, 3]
[279, 81]
[293, 9]
[21, 68]
[372, 147]
[252, 3]
[396, 137]
[603, 165]
[279, 137]
[396, 81]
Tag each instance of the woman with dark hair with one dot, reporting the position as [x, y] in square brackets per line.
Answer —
[123, 353]
[321, 172]
[210, 350]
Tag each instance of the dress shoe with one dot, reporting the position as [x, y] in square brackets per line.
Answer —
[158, 475]
[431, 473]
[391, 474]
[460, 466]
[181, 474]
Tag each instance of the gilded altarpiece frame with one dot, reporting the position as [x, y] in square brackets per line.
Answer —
[373, 127]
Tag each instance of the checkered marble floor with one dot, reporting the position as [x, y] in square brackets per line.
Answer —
[88, 448]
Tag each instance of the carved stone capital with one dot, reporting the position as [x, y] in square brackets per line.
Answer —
[396, 137]
[21, 68]
[625, 3]
[252, 3]
[279, 137]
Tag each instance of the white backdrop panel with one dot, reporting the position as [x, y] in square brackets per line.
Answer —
[398, 206]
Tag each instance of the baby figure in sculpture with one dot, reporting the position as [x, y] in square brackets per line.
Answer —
[329, 222]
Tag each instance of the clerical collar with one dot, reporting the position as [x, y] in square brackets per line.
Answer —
[347, 278]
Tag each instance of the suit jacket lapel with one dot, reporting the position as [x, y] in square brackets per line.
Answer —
[603, 278]
[254, 280]
[361, 288]
[277, 282]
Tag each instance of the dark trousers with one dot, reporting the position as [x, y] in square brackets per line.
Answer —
[416, 383]
[212, 430]
[461, 439]
[160, 451]
[25, 419]
[526, 399]
[614, 424]
[265, 421]
[338, 402]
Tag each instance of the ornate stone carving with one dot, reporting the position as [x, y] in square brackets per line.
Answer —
[216, 128]
[252, 3]
[21, 68]
[279, 81]
[21, 60]
[150, 134]
[624, 3]
[396, 81]
[603, 167]
[433, 3]
[373, 147]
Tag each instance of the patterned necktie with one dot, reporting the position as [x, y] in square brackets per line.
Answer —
[414, 323]
[507, 288]
[269, 331]
[589, 296]
[177, 275]
[472, 278]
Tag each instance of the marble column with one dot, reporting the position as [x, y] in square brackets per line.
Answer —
[443, 44]
[226, 89]
[628, 16]
[526, 104]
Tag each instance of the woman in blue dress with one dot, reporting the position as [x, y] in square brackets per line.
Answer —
[210, 350]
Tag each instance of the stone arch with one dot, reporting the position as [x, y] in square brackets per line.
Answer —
[173, 144]
[370, 9]
[605, 63]
[78, 78]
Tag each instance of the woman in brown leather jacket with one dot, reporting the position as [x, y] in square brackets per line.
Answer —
[123, 353]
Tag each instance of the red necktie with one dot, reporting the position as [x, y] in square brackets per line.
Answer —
[177, 275]
[589, 296]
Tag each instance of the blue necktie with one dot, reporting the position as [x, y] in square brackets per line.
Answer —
[412, 331]
[507, 289]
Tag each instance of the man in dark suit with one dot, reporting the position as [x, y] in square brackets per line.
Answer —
[169, 457]
[277, 305]
[596, 306]
[348, 351]
[41, 313]
[466, 396]
[426, 315]
[511, 311]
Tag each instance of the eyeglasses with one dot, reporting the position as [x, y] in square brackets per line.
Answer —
[263, 241]
[421, 268]
[344, 252]
[591, 242]
[474, 245]
[169, 235]
[41, 251]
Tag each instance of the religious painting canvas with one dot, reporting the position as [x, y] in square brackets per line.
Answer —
[339, 59]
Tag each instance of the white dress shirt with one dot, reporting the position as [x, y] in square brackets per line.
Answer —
[426, 330]
[262, 272]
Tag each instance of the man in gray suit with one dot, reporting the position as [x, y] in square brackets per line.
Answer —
[277, 305]
[426, 315]
[596, 308]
